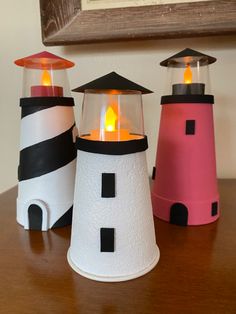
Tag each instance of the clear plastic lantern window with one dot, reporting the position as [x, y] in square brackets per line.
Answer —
[188, 75]
[45, 75]
[45, 82]
[112, 115]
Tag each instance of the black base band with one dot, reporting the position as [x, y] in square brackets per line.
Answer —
[194, 99]
[112, 148]
[46, 101]
[32, 105]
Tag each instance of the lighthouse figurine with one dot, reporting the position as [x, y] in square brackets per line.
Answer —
[47, 145]
[113, 237]
[184, 190]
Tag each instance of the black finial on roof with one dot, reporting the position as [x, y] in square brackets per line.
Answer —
[112, 81]
[187, 56]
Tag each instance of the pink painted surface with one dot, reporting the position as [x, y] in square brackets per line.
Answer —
[185, 164]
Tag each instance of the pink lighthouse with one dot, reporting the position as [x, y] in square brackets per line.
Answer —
[184, 188]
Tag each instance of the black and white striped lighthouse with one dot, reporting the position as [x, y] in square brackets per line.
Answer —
[47, 144]
[113, 237]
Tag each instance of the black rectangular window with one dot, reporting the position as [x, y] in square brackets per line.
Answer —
[108, 185]
[214, 209]
[107, 239]
[153, 173]
[190, 127]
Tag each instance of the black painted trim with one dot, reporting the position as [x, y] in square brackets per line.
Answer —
[214, 208]
[153, 173]
[112, 81]
[47, 156]
[65, 220]
[188, 52]
[35, 217]
[179, 214]
[190, 127]
[47, 101]
[112, 148]
[108, 185]
[107, 238]
[194, 99]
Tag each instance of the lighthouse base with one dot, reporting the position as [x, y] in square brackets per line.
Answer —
[46, 202]
[114, 278]
[185, 213]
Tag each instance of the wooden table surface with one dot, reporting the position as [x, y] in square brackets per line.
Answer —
[196, 272]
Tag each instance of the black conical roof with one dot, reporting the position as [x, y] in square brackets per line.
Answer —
[187, 56]
[112, 81]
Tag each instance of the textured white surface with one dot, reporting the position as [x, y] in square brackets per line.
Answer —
[55, 190]
[45, 124]
[130, 213]
[114, 278]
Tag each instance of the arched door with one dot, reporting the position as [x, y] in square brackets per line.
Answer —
[35, 216]
[179, 214]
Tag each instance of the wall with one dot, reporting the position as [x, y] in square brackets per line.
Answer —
[20, 36]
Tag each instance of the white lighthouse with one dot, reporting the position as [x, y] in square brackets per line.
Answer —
[113, 237]
[47, 144]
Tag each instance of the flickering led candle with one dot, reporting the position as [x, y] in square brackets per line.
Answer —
[188, 88]
[46, 89]
[110, 131]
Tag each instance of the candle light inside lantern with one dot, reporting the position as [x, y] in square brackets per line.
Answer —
[110, 120]
[188, 88]
[46, 89]
[188, 75]
[46, 78]
[110, 131]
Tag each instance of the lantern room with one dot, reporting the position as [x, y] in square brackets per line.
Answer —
[188, 73]
[112, 109]
[45, 75]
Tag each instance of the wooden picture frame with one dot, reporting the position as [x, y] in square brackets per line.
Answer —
[64, 23]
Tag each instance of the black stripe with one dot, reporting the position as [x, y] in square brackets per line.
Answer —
[112, 148]
[65, 219]
[176, 99]
[26, 111]
[34, 104]
[47, 156]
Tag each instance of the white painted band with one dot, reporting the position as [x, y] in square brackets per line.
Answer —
[45, 124]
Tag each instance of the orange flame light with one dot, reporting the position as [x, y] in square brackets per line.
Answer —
[110, 120]
[188, 75]
[111, 130]
[46, 78]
